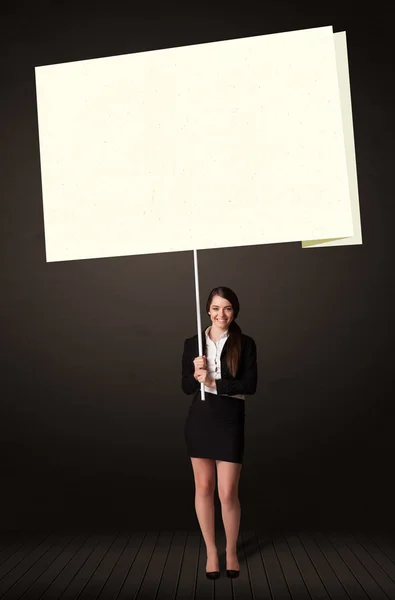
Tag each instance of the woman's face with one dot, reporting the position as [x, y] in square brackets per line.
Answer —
[221, 312]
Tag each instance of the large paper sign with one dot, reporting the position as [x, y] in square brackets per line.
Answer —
[221, 144]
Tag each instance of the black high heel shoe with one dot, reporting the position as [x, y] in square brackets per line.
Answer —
[232, 573]
[212, 574]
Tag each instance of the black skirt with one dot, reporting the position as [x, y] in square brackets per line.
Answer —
[214, 427]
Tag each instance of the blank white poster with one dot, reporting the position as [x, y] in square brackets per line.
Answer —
[221, 144]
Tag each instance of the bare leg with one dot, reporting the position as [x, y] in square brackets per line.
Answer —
[204, 474]
[228, 482]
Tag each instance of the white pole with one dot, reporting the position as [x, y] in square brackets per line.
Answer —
[199, 324]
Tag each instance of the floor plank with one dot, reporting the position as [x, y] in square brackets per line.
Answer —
[292, 575]
[73, 566]
[349, 581]
[259, 583]
[275, 575]
[46, 579]
[308, 571]
[17, 563]
[29, 571]
[167, 565]
[356, 566]
[118, 575]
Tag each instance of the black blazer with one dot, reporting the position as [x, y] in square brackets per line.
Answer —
[246, 378]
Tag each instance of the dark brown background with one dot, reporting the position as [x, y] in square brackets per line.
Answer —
[92, 411]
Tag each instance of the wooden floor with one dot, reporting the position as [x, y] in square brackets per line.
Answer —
[167, 565]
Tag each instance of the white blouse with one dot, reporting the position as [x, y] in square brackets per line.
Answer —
[213, 355]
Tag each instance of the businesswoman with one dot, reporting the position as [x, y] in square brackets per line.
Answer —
[214, 428]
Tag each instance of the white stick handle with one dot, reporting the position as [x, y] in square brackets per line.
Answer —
[199, 324]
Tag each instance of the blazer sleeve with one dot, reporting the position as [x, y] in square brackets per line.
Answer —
[188, 382]
[249, 374]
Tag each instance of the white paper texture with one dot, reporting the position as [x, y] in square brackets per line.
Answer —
[221, 144]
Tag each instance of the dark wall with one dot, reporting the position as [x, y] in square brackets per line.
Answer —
[92, 410]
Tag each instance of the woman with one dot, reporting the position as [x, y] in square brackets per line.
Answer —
[214, 429]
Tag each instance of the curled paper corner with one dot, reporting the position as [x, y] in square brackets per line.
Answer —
[318, 243]
[340, 42]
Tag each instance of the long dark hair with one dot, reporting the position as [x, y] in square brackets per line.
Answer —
[233, 352]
